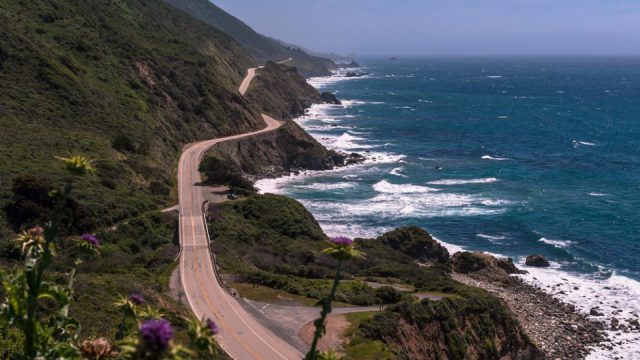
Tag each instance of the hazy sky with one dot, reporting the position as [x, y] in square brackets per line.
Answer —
[448, 26]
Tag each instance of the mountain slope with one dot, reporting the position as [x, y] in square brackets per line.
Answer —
[261, 47]
[125, 83]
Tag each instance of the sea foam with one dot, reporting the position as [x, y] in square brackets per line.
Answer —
[463, 181]
[489, 157]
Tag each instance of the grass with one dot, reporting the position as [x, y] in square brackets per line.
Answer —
[281, 92]
[358, 348]
[438, 294]
[124, 83]
[355, 319]
[269, 295]
[273, 241]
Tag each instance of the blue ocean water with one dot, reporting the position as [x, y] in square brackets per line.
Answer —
[512, 156]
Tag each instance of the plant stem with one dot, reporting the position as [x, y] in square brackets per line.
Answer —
[34, 275]
[326, 309]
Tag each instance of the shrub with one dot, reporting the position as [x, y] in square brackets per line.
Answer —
[221, 170]
[33, 200]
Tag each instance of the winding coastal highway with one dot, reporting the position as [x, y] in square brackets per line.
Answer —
[241, 336]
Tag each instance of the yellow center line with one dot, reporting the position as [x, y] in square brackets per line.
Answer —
[206, 295]
[197, 150]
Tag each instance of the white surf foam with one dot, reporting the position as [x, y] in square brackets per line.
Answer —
[616, 296]
[489, 157]
[463, 181]
[386, 187]
[398, 171]
[491, 237]
[337, 76]
[560, 244]
[403, 201]
[328, 186]
[578, 143]
[596, 194]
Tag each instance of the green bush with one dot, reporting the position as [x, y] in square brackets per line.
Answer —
[220, 170]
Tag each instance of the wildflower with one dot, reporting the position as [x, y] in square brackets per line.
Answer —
[91, 239]
[31, 238]
[342, 248]
[155, 335]
[96, 349]
[136, 299]
[77, 165]
[36, 231]
[213, 326]
[342, 240]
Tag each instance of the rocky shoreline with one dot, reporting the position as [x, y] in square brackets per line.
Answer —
[555, 327]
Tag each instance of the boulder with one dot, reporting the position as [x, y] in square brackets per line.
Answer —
[354, 158]
[595, 312]
[329, 98]
[507, 265]
[416, 243]
[537, 260]
[485, 267]
[468, 262]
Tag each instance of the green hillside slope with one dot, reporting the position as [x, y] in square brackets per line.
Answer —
[261, 47]
[126, 83]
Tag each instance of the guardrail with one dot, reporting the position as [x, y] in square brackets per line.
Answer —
[213, 256]
[179, 238]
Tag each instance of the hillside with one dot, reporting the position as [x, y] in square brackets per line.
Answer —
[273, 243]
[281, 92]
[261, 47]
[278, 90]
[125, 83]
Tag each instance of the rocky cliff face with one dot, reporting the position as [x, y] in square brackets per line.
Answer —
[477, 327]
[279, 152]
[280, 91]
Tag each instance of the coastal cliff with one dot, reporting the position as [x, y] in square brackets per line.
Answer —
[280, 91]
[273, 242]
[279, 152]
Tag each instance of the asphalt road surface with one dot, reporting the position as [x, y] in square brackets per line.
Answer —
[241, 336]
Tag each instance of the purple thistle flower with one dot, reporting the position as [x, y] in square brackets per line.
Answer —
[136, 299]
[91, 239]
[213, 326]
[156, 334]
[342, 240]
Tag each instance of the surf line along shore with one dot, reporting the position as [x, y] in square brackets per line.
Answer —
[566, 316]
[242, 336]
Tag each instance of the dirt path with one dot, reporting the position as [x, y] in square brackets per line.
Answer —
[333, 339]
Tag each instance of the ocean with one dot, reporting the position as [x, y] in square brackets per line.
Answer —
[511, 156]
